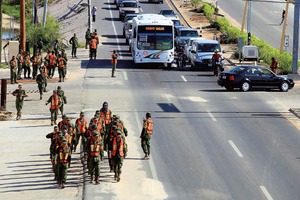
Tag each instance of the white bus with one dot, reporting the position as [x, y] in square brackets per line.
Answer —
[152, 39]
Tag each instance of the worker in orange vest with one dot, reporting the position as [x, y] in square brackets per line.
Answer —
[81, 127]
[117, 154]
[106, 115]
[93, 47]
[146, 135]
[114, 61]
[55, 103]
[61, 160]
[52, 64]
[61, 68]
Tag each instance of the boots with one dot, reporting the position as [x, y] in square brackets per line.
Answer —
[41, 97]
[62, 185]
[91, 181]
[145, 157]
[118, 177]
[97, 179]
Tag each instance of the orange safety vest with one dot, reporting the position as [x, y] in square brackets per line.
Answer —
[52, 60]
[149, 126]
[61, 63]
[106, 117]
[82, 126]
[113, 59]
[115, 146]
[63, 157]
[94, 146]
[93, 43]
[55, 102]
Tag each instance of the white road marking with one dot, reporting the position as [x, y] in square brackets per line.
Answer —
[266, 193]
[212, 117]
[235, 148]
[195, 99]
[125, 76]
[151, 164]
[183, 78]
[113, 24]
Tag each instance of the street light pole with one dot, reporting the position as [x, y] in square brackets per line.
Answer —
[1, 31]
[22, 26]
[295, 38]
[249, 20]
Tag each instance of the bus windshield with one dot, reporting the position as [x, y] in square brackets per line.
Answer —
[155, 37]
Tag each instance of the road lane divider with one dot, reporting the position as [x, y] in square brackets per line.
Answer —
[212, 117]
[235, 148]
[114, 27]
[266, 193]
[183, 78]
[125, 76]
[151, 163]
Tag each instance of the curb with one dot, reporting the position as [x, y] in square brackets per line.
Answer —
[177, 12]
[295, 112]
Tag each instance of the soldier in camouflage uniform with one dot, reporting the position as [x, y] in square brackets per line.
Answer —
[41, 81]
[13, 70]
[63, 99]
[61, 160]
[19, 94]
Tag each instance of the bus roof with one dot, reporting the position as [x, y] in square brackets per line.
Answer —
[152, 19]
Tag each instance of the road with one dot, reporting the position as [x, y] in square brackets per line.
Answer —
[208, 143]
[265, 18]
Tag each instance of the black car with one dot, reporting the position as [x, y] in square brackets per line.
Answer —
[250, 77]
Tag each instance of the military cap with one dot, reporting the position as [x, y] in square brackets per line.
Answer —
[64, 140]
[105, 103]
[64, 116]
[59, 133]
[119, 132]
[65, 127]
[97, 111]
[94, 126]
[67, 118]
[81, 113]
[62, 50]
[54, 91]
[148, 114]
[59, 87]
[55, 127]
[95, 132]
[117, 117]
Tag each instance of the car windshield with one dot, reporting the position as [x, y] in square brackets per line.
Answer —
[237, 69]
[167, 12]
[129, 4]
[208, 47]
[188, 33]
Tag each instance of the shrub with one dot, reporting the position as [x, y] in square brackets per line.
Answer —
[208, 11]
[196, 3]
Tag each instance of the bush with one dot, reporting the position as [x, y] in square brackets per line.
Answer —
[208, 11]
[48, 33]
[196, 3]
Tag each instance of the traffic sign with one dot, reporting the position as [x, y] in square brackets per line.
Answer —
[286, 41]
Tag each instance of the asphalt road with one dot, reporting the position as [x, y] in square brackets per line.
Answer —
[266, 18]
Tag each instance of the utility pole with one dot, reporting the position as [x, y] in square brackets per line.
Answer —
[1, 31]
[295, 37]
[244, 17]
[249, 22]
[284, 25]
[89, 16]
[22, 26]
[45, 12]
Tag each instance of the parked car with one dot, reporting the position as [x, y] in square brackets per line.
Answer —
[201, 53]
[128, 7]
[167, 12]
[185, 33]
[251, 77]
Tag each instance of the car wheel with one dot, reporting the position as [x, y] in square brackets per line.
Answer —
[229, 88]
[245, 86]
[284, 86]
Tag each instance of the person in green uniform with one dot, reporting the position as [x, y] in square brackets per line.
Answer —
[13, 70]
[19, 94]
[21, 62]
[63, 99]
[74, 42]
[64, 56]
[92, 155]
[146, 135]
[54, 142]
[41, 81]
[117, 154]
[55, 103]
[61, 160]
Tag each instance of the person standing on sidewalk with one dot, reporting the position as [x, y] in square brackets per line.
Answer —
[20, 58]
[94, 12]
[63, 99]
[88, 38]
[61, 68]
[40, 79]
[114, 61]
[27, 69]
[74, 42]
[146, 135]
[65, 56]
[55, 103]
[19, 94]
[13, 70]
[274, 65]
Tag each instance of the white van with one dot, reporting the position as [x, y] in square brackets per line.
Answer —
[189, 45]
[201, 53]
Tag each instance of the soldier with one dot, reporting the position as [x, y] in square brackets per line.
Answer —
[117, 154]
[61, 160]
[92, 154]
[56, 47]
[19, 94]
[93, 48]
[63, 122]
[21, 62]
[106, 115]
[44, 68]
[27, 69]
[13, 70]
[54, 138]
[63, 98]
[114, 60]
[74, 42]
[52, 64]
[40, 45]
[41, 80]
[124, 131]
[146, 135]
[61, 68]
[81, 127]
[54, 106]
[65, 56]
[87, 38]
[35, 63]
[71, 140]
[47, 59]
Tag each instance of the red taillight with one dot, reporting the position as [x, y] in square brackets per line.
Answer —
[231, 78]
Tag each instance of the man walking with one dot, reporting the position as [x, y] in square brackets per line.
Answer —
[52, 64]
[146, 135]
[20, 58]
[94, 11]
[19, 94]
[27, 69]
[63, 99]
[13, 70]
[74, 42]
[114, 60]
[87, 38]
[65, 56]
[61, 68]
[117, 154]
[40, 79]
[93, 48]
[61, 160]
[55, 103]
[81, 127]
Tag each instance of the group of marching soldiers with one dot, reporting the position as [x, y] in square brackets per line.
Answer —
[46, 66]
[105, 132]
